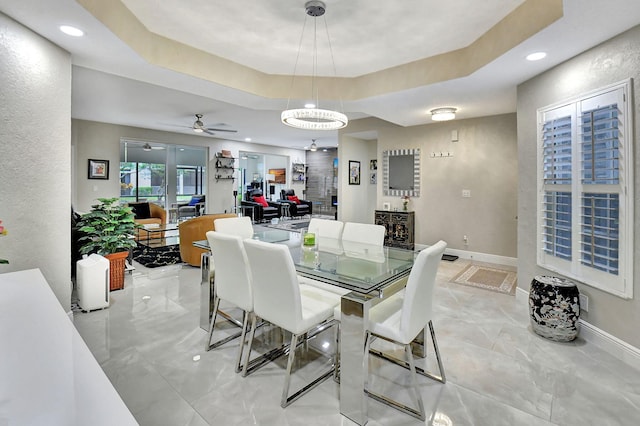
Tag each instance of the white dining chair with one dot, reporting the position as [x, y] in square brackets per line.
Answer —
[240, 226]
[282, 300]
[325, 228]
[402, 317]
[365, 233]
[233, 284]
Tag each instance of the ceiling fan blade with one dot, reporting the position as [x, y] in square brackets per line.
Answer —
[208, 131]
[221, 130]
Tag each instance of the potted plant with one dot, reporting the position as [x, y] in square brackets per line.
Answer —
[108, 230]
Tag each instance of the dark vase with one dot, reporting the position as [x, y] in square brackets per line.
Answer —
[554, 308]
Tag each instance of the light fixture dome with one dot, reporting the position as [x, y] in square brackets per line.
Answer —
[443, 114]
[311, 117]
[313, 147]
[198, 125]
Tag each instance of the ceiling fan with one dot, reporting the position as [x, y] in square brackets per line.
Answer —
[148, 147]
[199, 127]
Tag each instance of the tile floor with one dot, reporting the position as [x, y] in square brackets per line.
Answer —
[499, 372]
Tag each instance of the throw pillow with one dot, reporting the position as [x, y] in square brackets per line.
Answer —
[261, 200]
[195, 200]
[293, 198]
[140, 210]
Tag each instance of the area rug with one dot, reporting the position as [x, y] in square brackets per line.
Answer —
[492, 279]
[154, 257]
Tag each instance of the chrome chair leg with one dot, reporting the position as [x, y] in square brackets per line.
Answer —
[248, 353]
[286, 399]
[245, 325]
[441, 378]
[336, 356]
[414, 385]
[208, 345]
[287, 377]
[410, 365]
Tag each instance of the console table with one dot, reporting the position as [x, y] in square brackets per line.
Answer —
[400, 228]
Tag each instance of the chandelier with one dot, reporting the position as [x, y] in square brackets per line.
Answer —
[311, 117]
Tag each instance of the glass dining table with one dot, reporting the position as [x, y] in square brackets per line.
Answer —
[371, 273]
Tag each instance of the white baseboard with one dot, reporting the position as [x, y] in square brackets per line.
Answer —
[480, 257]
[485, 257]
[611, 344]
[619, 349]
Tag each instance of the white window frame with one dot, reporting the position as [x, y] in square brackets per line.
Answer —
[621, 284]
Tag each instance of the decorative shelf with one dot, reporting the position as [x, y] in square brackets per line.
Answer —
[225, 167]
[298, 172]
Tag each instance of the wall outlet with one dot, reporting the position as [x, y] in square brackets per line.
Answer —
[466, 193]
[584, 302]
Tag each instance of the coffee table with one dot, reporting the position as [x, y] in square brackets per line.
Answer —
[160, 236]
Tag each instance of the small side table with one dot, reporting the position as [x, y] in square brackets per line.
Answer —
[253, 212]
[285, 211]
[554, 308]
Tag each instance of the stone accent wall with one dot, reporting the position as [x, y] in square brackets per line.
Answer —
[322, 179]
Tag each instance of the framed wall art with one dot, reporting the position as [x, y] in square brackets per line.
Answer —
[354, 172]
[98, 169]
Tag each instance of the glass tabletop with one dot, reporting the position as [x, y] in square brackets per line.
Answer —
[359, 267]
[363, 268]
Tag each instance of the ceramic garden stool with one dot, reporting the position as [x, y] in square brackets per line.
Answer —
[554, 308]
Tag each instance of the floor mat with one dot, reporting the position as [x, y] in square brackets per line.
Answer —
[154, 257]
[487, 278]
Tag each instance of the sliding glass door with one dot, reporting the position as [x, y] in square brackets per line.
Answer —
[164, 174]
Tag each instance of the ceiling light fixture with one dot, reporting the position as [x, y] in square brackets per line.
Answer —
[536, 56]
[443, 114]
[313, 146]
[311, 117]
[71, 31]
[146, 147]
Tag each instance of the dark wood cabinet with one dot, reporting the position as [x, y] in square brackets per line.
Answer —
[400, 228]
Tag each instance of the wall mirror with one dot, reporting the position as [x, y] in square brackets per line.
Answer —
[401, 172]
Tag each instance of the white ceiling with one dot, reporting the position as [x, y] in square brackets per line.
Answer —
[112, 83]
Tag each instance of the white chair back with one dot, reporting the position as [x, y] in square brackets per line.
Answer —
[233, 281]
[363, 233]
[324, 228]
[418, 298]
[275, 283]
[240, 226]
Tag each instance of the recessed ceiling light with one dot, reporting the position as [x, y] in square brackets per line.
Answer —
[72, 31]
[247, 139]
[536, 56]
[309, 105]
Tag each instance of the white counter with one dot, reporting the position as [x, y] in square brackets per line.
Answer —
[48, 376]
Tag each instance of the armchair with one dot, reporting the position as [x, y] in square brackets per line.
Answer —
[147, 214]
[254, 198]
[195, 207]
[297, 207]
[194, 230]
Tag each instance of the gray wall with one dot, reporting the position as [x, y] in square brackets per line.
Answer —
[613, 61]
[35, 129]
[484, 161]
[102, 141]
